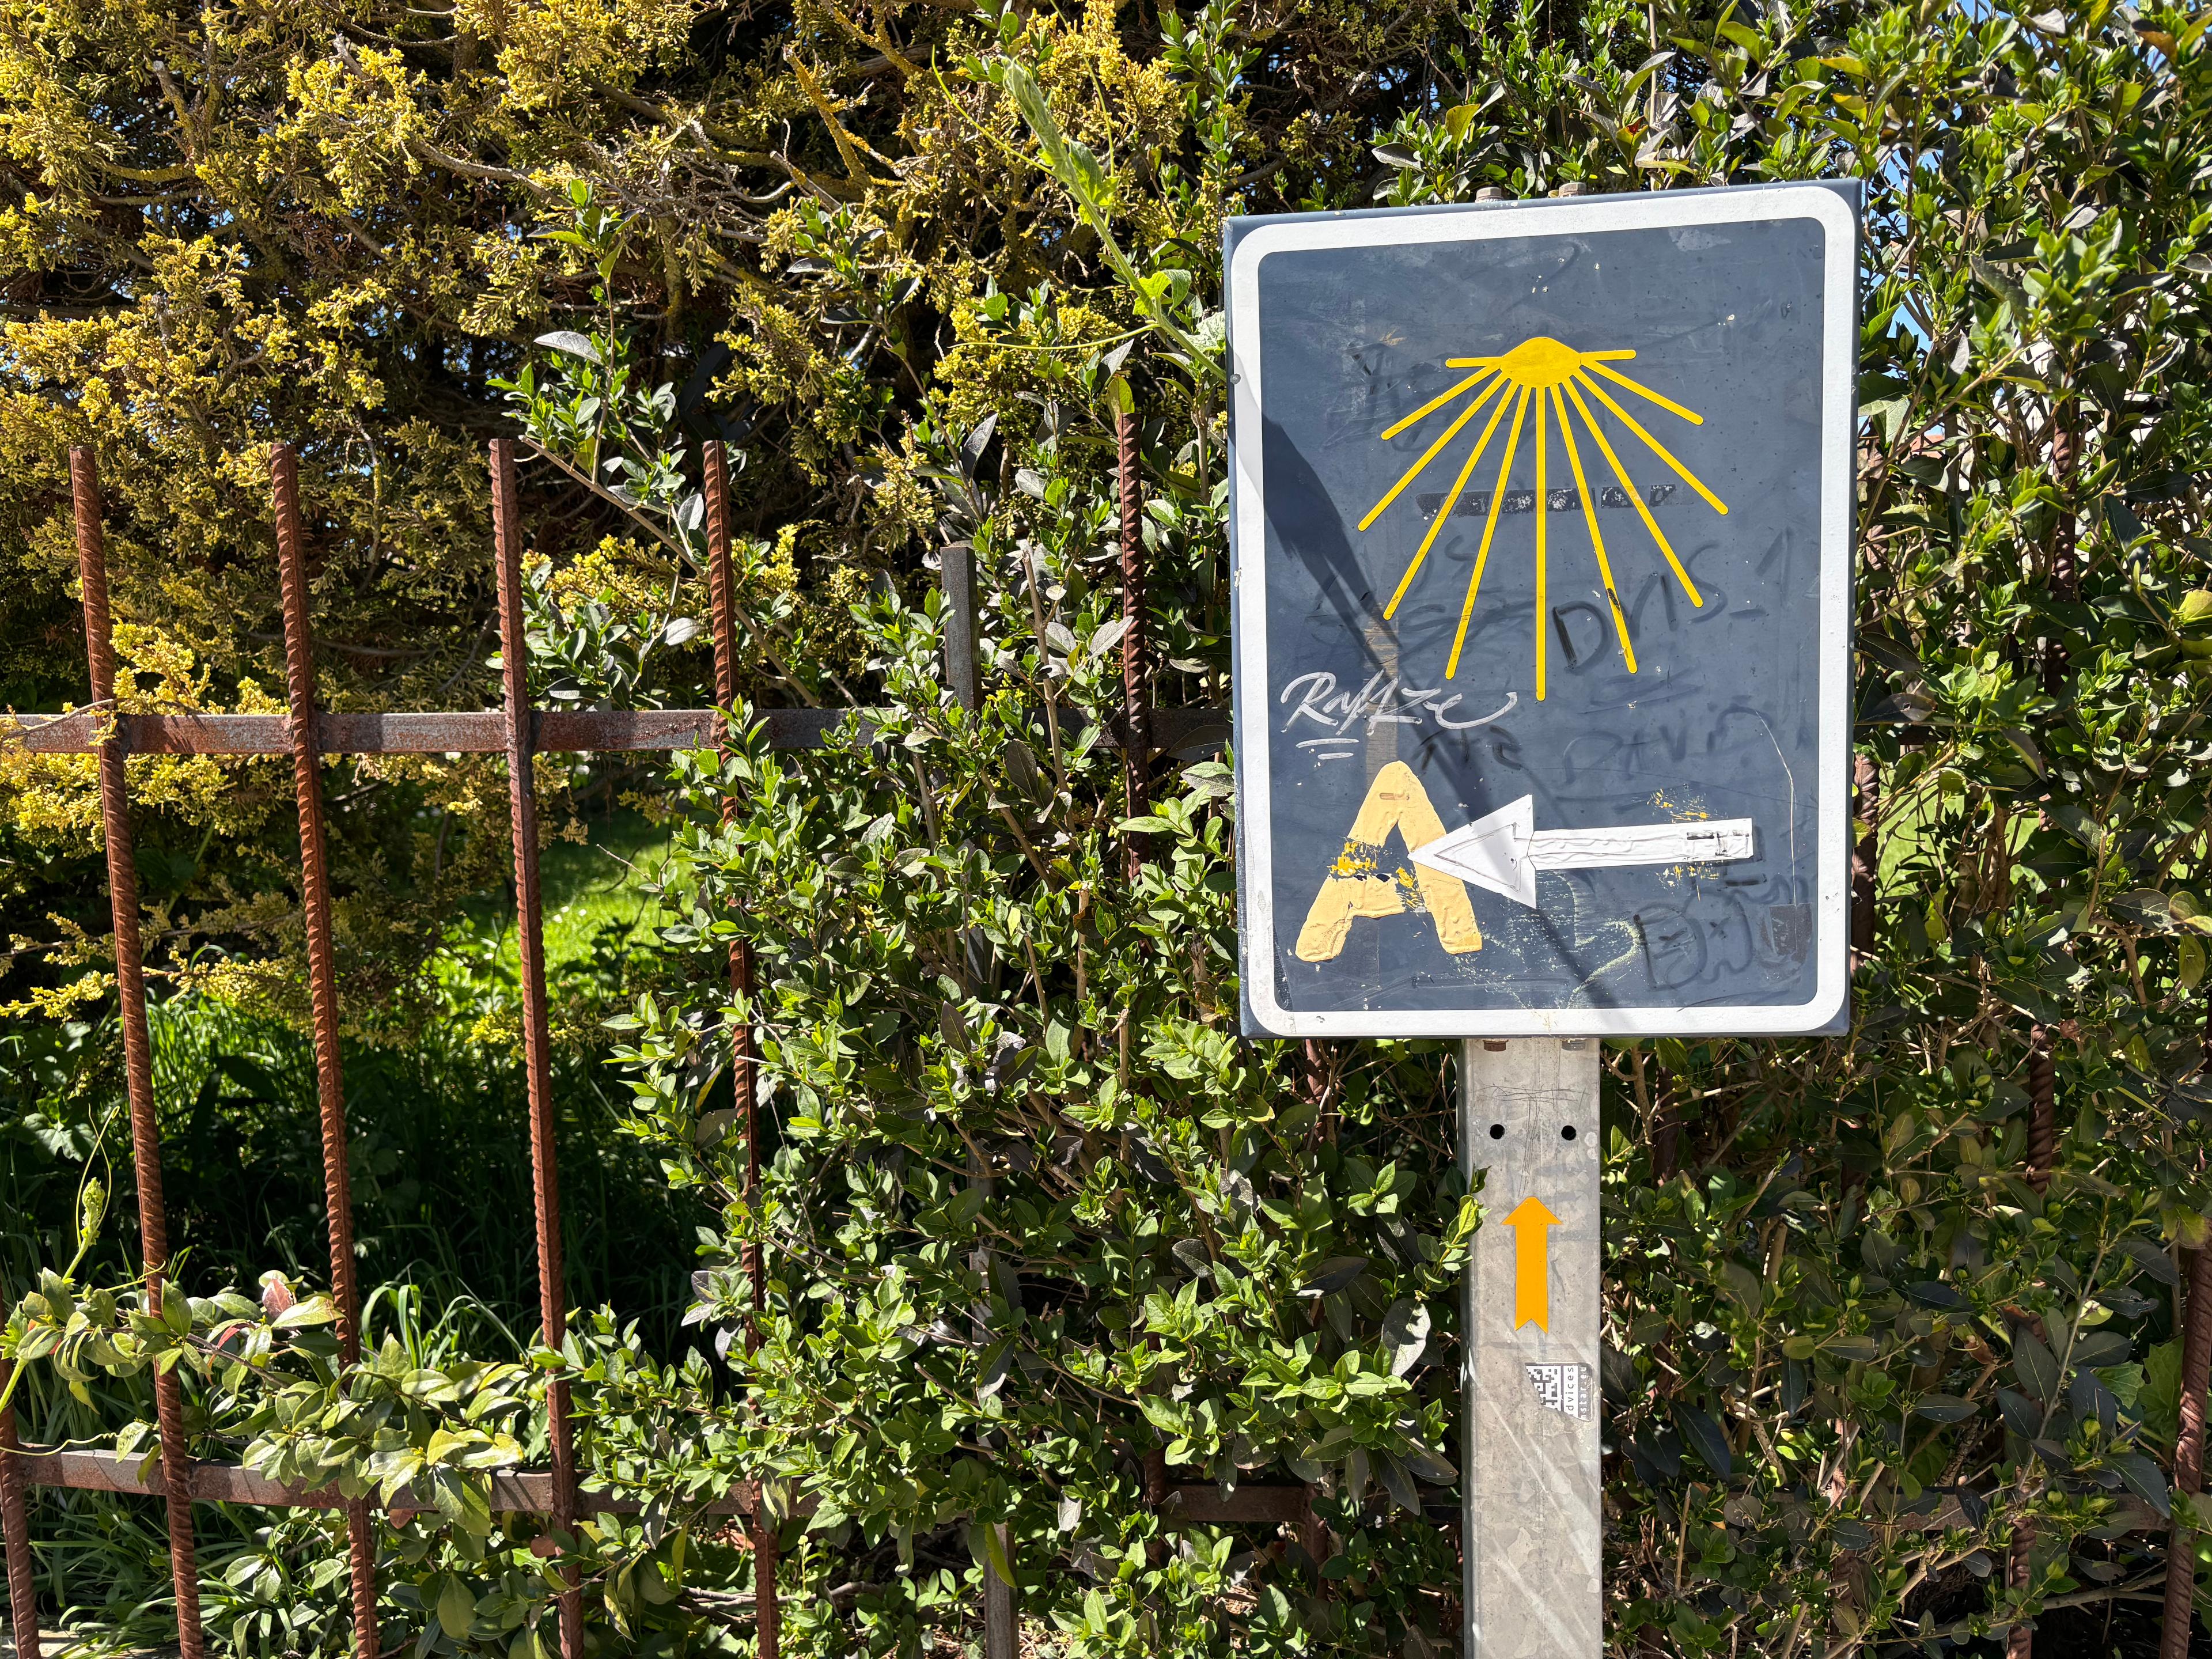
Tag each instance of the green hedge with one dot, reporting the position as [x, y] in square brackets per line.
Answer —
[1033, 1212]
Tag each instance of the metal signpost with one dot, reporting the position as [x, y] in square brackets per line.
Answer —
[1542, 535]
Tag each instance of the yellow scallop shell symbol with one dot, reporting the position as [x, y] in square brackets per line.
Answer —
[1551, 374]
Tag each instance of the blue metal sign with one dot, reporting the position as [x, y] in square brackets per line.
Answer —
[1542, 535]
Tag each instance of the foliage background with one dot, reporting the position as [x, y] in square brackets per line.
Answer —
[1036, 1215]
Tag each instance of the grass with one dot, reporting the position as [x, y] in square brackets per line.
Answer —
[595, 890]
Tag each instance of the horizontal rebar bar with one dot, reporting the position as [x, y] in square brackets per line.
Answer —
[607, 731]
[530, 1492]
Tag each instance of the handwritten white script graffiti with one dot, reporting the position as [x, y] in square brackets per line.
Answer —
[1349, 716]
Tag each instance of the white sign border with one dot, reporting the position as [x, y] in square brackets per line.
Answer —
[1247, 553]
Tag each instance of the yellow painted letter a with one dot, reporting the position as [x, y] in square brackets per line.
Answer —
[1357, 887]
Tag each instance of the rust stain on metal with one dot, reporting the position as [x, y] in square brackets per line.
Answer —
[137, 1050]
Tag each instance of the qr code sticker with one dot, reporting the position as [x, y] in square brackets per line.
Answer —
[1563, 1389]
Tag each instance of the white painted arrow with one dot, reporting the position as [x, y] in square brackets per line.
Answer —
[1504, 850]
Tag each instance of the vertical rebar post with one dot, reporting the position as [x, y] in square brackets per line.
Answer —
[963, 674]
[14, 1520]
[1866, 802]
[2042, 1145]
[721, 592]
[2020, 1639]
[1136, 747]
[322, 989]
[2065, 572]
[1666, 1120]
[2043, 1107]
[1136, 730]
[138, 1049]
[536, 1039]
[2188, 1456]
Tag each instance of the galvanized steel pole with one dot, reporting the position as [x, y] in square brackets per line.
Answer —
[1533, 1532]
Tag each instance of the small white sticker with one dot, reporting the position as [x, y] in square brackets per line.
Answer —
[1564, 1388]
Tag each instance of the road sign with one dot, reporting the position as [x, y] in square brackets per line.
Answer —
[1542, 528]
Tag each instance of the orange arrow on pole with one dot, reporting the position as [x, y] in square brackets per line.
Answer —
[1532, 1263]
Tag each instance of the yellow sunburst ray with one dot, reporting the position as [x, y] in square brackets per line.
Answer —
[1590, 361]
[1489, 530]
[1429, 454]
[1555, 376]
[1597, 539]
[1543, 414]
[1452, 500]
[1635, 496]
[1433, 405]
[1657, 448]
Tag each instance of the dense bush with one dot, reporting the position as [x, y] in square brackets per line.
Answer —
[1041, 1226]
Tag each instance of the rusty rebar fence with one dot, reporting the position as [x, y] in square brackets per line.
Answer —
[306, 734]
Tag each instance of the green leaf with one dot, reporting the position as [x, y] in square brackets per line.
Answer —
[2034, 1364]
[2125, 1382]
[574, 344]
[994, 1543]
[1703, 1435]
[1336, 1274]
[1944, 1409]
[317, 1309]
[2160, 1403]
[456, 1608]
[1405, 1335]
[2152, 1258]
[176, 1308]
[2145, 1479]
